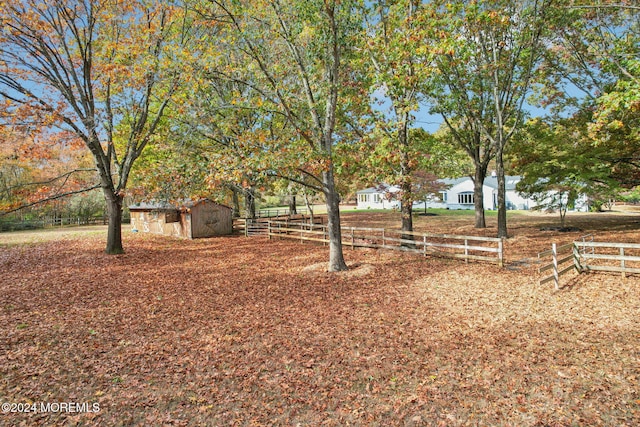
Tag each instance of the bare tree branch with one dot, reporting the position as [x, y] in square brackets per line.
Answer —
[48, 199]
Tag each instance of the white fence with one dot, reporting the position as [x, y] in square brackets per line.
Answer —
[584, 256]
[563, 260]
[611, 257]
[476, 248]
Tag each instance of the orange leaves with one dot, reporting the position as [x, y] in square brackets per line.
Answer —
[242, 331]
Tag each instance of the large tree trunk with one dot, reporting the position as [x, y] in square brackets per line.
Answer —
[406, 199]
[309, 207]
[236, 202]
[502, 203]
[406, 210]
[332, 200]
[478, 199]
[292, 205]
[114, 233]
[249, 203]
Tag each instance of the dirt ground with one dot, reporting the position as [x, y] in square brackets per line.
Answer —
[247, 331]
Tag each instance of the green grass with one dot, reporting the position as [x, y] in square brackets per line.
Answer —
[464, 212]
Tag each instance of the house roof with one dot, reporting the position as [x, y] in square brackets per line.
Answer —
[382, 188]
[509, 184]
[453, 181]
[370, 190]
[490, 181]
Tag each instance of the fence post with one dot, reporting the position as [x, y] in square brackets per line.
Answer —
[554, 254]
[246, 227]
[424, 242]
[353, 246]
[500, 253]
[624, 274]
[383, 238]
[269, 229]
[466, 251]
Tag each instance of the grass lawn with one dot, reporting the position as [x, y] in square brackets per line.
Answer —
[247, 331]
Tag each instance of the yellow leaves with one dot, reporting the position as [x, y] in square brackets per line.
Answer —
[307, 35]
[615, 125]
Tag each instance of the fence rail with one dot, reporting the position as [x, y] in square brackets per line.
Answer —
[626, 255]
[560, 257]
[276, 212]
[53, 222]
[476, 248]
[587, 255]
[259, 226]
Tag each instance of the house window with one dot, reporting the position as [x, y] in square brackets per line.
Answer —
[465, 198]
[443, 196]
[376, 198]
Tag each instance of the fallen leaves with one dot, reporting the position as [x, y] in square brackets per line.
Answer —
[240, 331]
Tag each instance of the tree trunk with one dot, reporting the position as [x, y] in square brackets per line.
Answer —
[309, 207]
[114, 233]
[406, 197]
[292, 205]
[236, 202]
[502, 203]
[332, 200]
[406, 210]
[249, 203]
[478, 199]
[564, 206]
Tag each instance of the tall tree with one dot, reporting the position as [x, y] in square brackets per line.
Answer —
[94, 68]
[397, 61]
[296, 51]
[489, 54]
[559, 165]
[591, 69]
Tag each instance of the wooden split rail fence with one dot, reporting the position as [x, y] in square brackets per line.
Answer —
[476, 248]
[611, 257]
[584, 256]
[259, 225]
[562, 261]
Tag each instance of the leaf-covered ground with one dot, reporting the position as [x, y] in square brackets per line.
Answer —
[246, 331]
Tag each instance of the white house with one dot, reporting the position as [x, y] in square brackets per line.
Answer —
[458, 195]
[378, 197]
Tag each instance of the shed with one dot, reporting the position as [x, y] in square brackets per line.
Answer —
[194, 219]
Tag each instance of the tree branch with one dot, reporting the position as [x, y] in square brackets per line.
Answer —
[48, 199]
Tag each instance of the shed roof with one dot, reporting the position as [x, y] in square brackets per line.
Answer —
[164, 205]
[190, 204]
[152, 206]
